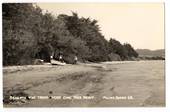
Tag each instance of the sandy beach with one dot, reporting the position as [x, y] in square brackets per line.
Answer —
[109, 84]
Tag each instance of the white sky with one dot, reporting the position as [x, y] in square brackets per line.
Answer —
[140, 24]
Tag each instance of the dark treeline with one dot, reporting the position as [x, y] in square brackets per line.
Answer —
[29, 34]
[152, 58]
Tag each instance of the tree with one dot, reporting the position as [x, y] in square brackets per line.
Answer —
[17, 36]
[130, 50]
[117, 48]
[88, 31]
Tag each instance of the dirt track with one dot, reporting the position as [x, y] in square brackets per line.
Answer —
[127, 84]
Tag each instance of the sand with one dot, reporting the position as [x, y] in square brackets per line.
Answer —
[109, 84]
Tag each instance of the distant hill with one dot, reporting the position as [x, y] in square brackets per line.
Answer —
[151, 53]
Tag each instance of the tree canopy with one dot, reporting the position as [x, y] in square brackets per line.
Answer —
[29, 34]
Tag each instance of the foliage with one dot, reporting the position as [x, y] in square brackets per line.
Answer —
[28, 34]
[130, 51]
[117, 48]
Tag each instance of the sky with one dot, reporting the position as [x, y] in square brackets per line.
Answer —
[140, 24]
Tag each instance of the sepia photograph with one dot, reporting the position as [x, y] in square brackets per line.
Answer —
[83, 54]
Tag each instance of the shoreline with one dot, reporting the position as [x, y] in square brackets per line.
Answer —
[14, 68]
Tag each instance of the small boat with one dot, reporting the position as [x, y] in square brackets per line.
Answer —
[55, 62]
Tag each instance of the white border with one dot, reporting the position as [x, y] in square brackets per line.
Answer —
[114, 109]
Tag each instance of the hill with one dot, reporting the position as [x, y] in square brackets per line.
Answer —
[151, 53]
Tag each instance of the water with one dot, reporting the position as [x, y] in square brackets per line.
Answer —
[144, 80]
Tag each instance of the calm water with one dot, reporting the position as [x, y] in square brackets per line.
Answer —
[144, 80]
